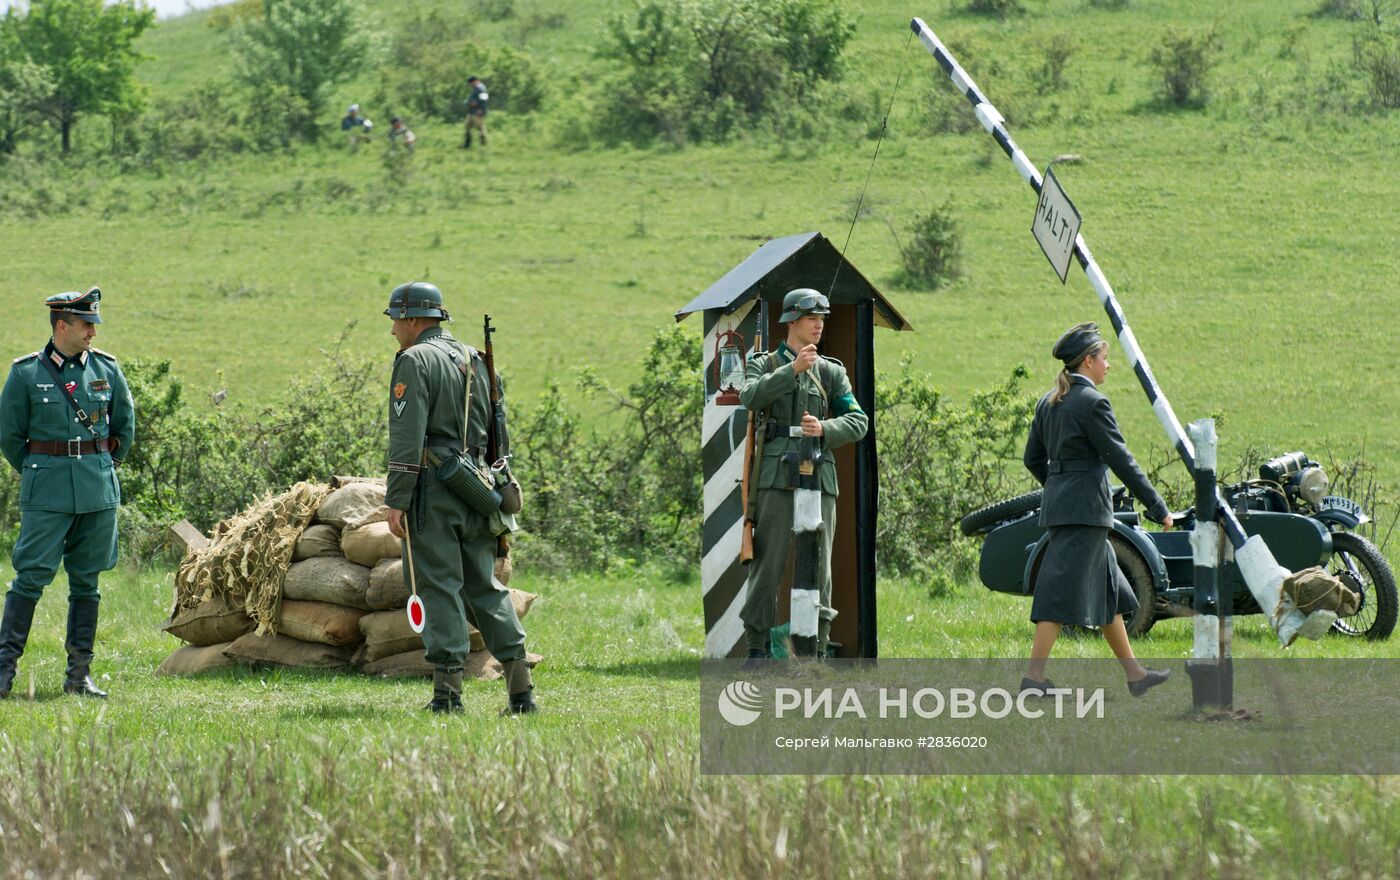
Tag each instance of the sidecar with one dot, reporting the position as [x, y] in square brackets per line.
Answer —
[1157, 564]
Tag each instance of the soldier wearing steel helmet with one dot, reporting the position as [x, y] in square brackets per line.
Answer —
[66, 423]
[439, 387]
[796, 393]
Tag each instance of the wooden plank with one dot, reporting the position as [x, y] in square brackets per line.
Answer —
[188, 536]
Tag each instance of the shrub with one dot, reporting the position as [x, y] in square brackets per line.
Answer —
[1055, 52]
[1376, 53]
[702, 70]
[625, 494]
[305, 47]
[1184, 61]
[934, 255]
[941, 460]
[998, 8]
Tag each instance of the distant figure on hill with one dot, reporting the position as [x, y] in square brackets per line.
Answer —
[476, 110]
[400, 134]
[355, 126]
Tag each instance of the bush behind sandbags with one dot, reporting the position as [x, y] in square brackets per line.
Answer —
[331, 579]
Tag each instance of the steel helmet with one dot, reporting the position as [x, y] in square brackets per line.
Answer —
[803, 301]
[416, 299]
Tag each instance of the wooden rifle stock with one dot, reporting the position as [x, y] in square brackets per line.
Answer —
[752, 443]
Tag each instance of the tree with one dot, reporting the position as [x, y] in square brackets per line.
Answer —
[304, 47]
[23, 85]
[87, 49]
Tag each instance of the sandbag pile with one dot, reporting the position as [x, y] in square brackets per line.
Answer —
[310, 579]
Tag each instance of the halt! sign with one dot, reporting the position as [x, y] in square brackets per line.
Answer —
[1056, 224]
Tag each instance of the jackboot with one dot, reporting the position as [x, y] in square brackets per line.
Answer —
[82, 632]
[447, 691]
[804, 646]
[520, 688]
[14, 635]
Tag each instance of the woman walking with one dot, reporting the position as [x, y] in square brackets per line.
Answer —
[1074, 441]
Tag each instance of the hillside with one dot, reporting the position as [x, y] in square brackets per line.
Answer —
[1251, 242]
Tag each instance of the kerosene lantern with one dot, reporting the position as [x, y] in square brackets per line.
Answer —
[729, 367]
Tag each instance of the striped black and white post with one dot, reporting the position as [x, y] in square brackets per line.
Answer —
[1262, 573]
[722, 575]
[1211, 666]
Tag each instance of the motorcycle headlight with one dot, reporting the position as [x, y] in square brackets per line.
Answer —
[1313, 485]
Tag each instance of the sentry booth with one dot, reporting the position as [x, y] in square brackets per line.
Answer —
[731, 308]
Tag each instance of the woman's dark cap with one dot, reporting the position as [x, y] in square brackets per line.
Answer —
[1076, 341]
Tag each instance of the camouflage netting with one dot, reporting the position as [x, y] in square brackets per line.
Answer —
[248, 554]
[308, 579]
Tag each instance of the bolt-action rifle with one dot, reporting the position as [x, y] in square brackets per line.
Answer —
[497, 440]
[753, 445]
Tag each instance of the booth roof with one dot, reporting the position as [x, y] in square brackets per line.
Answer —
[782, 264]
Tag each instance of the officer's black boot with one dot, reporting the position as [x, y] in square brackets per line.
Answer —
[520, 688]
[82, 633]
[447, 691]
[14, 634]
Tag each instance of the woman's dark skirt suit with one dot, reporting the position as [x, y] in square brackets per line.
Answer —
[1072, 447]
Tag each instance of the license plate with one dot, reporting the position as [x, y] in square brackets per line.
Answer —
[1345, 505]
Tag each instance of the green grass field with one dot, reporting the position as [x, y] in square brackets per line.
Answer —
[247, 774]
[1254, 248]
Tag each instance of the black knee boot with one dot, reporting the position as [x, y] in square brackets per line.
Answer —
[82, 633]
[14, 634]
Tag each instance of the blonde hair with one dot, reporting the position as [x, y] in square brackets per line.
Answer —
[1064, 378]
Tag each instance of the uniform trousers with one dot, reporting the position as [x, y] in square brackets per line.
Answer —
[86, 544]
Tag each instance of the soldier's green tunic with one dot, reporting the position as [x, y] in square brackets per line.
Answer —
[453, 549]
[68, 504]
[781, 396]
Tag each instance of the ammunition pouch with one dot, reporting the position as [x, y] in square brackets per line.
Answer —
[462, 477]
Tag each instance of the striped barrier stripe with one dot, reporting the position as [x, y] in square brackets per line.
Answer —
[995, 124]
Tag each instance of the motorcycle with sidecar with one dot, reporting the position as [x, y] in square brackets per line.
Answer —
[1288, 506]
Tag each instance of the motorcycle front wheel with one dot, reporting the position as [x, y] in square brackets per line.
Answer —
[1361, 566]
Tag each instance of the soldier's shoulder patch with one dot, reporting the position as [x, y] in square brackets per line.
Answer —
[103, 354]
[26, 357]
[399, 391]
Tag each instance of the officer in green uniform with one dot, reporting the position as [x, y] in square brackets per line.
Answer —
[796, 393]
[66, 422]
[439, 386]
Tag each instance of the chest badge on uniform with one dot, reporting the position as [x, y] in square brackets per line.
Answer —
[399, 390]
[71, 386]
[44, 386]
[99, 385]
[400, 407]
